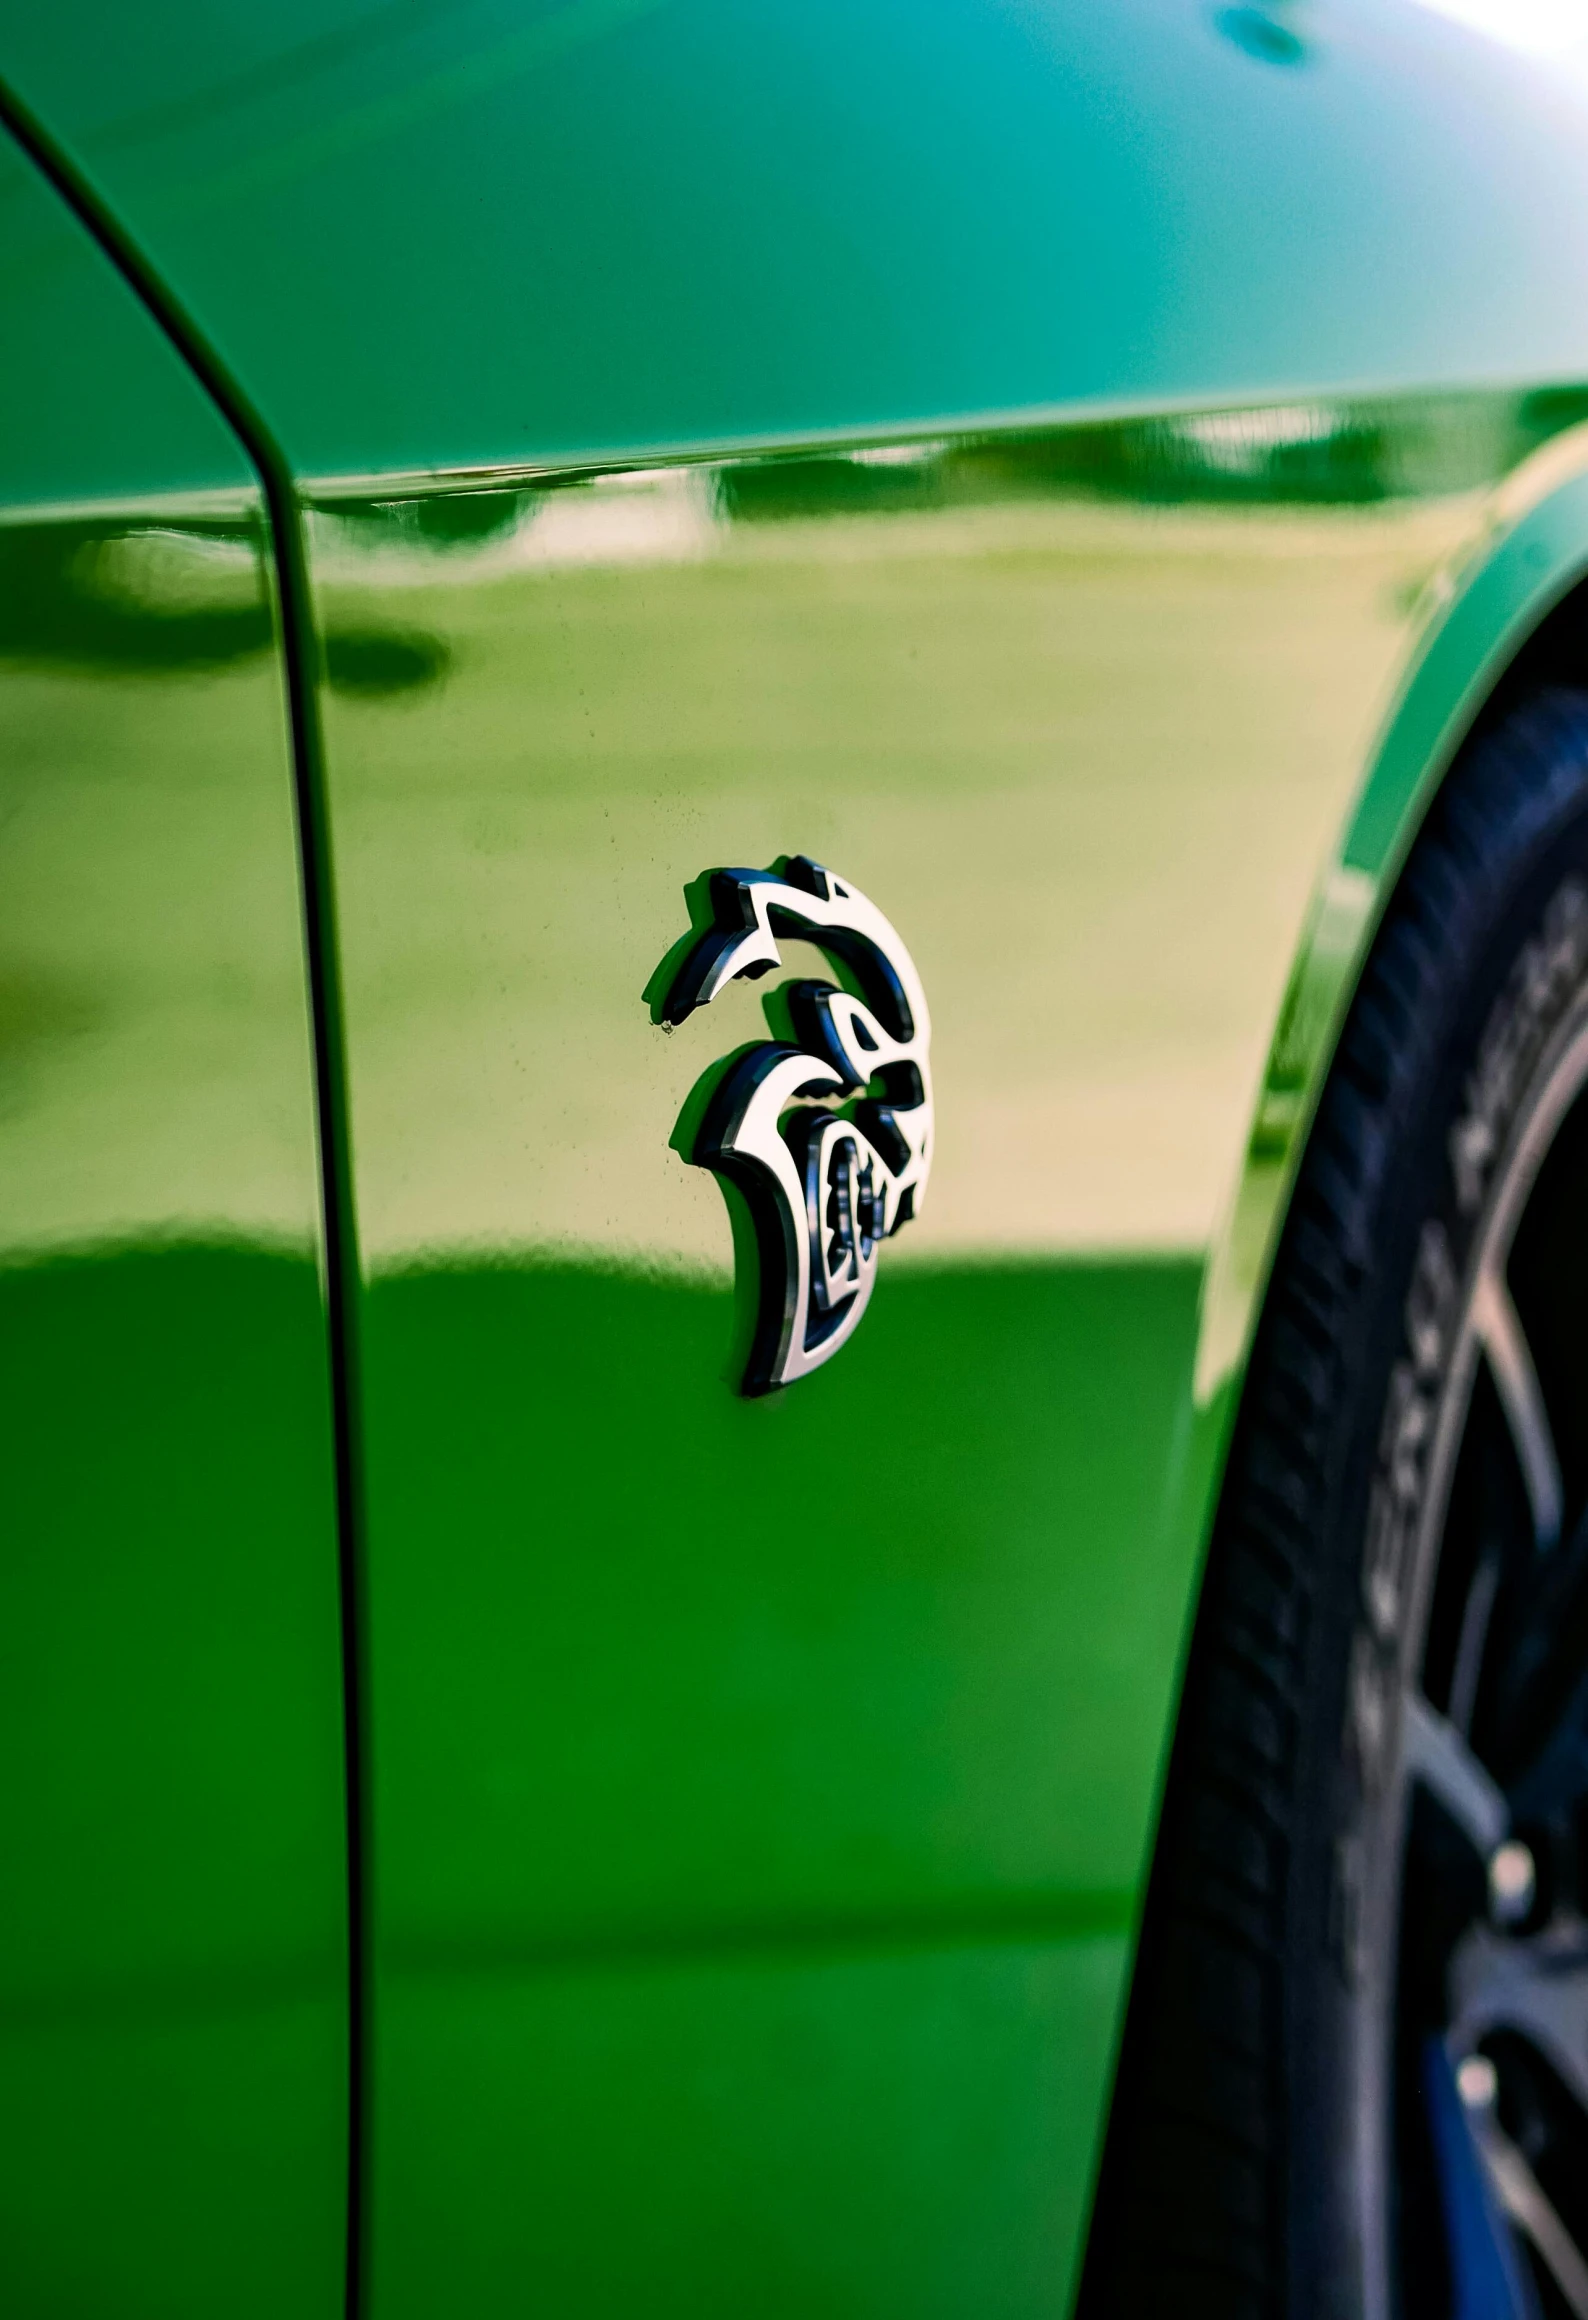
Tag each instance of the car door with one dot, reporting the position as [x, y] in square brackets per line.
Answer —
[173, 1928]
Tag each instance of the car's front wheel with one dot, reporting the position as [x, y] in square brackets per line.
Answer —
[1355, 2079]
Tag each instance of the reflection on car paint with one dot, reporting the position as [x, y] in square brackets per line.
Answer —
[1086, 707]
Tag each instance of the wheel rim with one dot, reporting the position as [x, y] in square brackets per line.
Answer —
[1471, 1726]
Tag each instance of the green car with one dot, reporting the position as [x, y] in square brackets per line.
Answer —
[794, 1136]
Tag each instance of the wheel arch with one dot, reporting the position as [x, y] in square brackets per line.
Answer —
[1511, 615]
[1510, 619]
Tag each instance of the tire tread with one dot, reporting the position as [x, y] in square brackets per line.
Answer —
[1191, 2213]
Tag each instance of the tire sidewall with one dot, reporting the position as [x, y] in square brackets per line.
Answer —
[1482, 958]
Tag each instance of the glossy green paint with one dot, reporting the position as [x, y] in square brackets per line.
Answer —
[69, 328]
[762, 1797]
[173, 1970]
[748, 1921]
[432, 237]
[714, 1745]
[1528, 552]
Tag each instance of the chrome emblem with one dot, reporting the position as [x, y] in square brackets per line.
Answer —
[821, 1137]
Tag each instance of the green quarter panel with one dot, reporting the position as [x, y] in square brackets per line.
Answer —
[173, 1971]
[762, 1792]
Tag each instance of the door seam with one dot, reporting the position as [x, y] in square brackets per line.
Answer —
[302, 663]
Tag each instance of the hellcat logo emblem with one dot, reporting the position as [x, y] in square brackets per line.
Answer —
[821, 1137]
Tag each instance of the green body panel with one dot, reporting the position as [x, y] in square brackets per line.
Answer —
[431, 237]
[748, 1914]
[173, 1969]
[760, 1796]
[70, 327]
[847, 2129]
[715, 1743]
[1526, 553]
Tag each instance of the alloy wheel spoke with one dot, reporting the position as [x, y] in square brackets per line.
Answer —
[1473, 1639]
[1434, 1753]
[1529, 2207]
[1499, 1331]
[1536, 1988]
[1486, 2276]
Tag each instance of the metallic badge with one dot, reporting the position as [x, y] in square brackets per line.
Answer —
[820, 1137]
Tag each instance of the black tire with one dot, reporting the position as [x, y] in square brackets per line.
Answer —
[1269, 2152]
